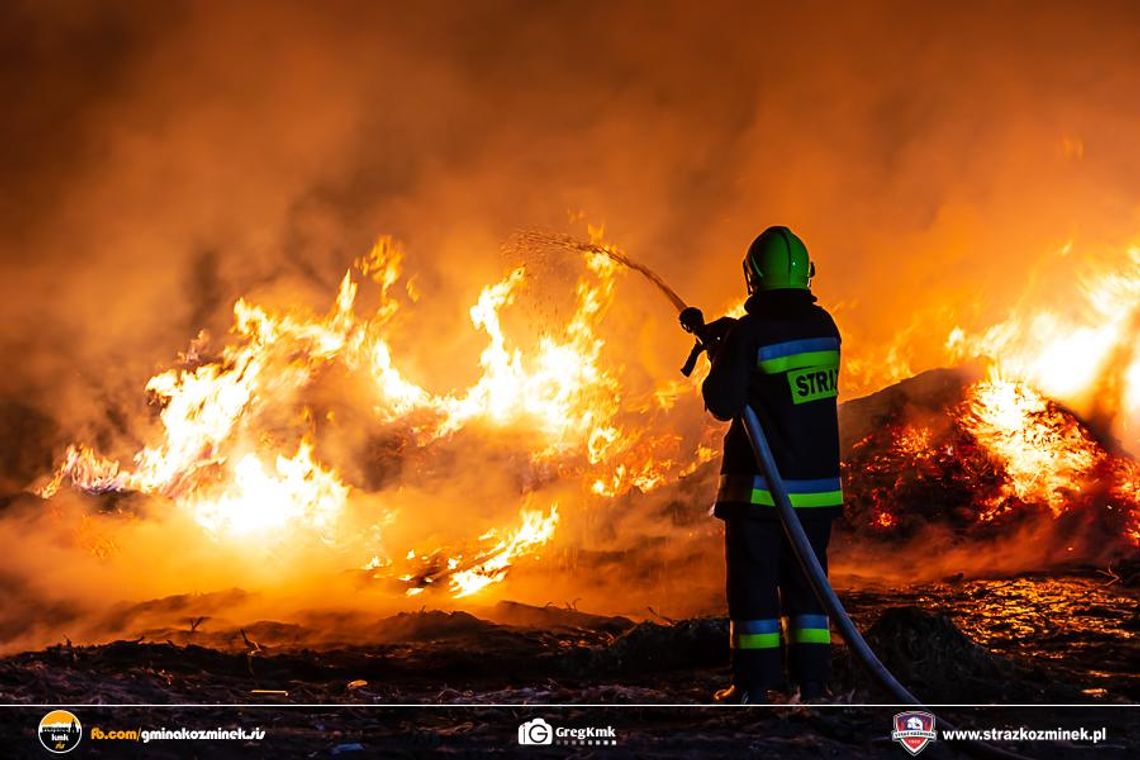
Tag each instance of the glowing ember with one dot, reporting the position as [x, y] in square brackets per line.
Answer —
[1007, 448]
[1000, 453]
[1046, 457]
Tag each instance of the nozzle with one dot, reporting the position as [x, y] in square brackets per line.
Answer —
[692, 319]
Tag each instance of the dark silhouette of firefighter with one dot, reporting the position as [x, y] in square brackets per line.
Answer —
[782, 358]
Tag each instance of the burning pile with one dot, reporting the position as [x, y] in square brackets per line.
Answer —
[239, 440]
[306, 428]
[987, 451]
[984, 456]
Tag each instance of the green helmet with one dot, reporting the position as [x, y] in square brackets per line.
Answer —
[778, 260]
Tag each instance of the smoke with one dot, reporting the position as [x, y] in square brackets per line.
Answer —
[161, 160]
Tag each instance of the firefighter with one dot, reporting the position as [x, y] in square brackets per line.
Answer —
[782, 358]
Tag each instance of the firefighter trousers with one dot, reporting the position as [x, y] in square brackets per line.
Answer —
[774, 616]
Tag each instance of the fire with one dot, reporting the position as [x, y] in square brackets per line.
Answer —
[257, 500]
[1082, 351]
[536, 530]
[236, 444]
[490, 561]
[1000, 454]
[1083, 347]
[561, 391]
[1047, 459]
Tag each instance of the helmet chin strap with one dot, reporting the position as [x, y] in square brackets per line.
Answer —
[751, 279]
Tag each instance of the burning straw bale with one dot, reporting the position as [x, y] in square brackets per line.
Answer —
[985, 458]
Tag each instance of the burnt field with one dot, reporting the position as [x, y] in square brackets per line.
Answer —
[1059, 638]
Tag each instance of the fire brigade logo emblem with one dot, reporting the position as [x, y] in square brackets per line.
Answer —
[60, 731]
[913, 730]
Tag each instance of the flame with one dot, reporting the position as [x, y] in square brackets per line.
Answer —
[1067, 351]
[1003, 453]
[223, 454]
[491, 563]
[236, 445]
[1046, 458]
[297, 490]
[562, 391]
[536, 530]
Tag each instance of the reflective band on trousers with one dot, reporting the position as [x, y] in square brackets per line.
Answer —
[809, 629]
[796, 354]
[804, 494]
[754, 634]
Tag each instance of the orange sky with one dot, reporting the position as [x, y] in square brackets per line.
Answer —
[160, 160]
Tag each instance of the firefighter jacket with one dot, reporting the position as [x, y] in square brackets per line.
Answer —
[782, 357]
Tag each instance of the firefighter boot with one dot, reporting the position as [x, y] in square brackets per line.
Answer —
[812, 692]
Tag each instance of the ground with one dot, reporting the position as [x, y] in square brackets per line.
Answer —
[1035, 639]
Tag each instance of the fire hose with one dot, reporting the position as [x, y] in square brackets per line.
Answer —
[693, 321]
[816, 576]
[708, 337]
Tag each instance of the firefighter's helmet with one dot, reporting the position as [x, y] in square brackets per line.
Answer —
[778, 260]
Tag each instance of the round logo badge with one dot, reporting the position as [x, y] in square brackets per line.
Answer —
[60, 731]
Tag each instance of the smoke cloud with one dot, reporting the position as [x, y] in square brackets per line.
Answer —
[158, 161]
